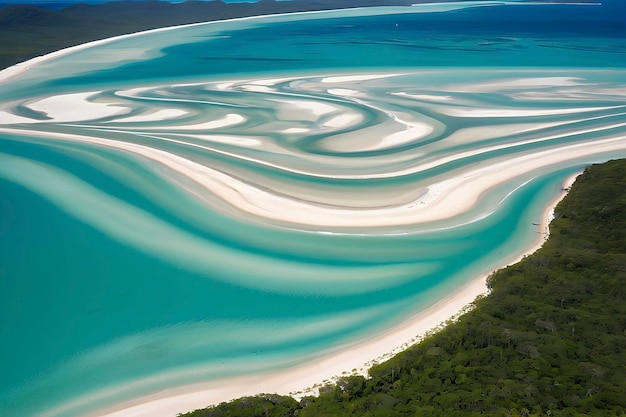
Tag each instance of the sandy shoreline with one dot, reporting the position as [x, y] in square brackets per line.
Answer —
[22, 67]
[343, 360]
[433, 5]
[359, 355]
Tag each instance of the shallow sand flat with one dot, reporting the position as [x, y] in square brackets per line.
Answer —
[366, 200]
[432, 206]
[298, 381]
[445, 198]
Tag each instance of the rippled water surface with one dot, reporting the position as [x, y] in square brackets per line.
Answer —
[227, 198]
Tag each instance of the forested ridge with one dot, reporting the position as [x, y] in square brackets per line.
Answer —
[549, 339]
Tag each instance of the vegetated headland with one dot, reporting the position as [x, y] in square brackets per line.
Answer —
[549, 339]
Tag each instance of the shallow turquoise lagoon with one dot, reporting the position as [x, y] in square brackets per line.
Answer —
[228, 198]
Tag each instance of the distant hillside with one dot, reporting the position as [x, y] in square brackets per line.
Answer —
[14, 16]
[28, 31]
[550, 339]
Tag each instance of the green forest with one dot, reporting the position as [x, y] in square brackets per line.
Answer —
[548, 340]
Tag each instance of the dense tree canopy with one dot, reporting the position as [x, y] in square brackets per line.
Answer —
[550, 338]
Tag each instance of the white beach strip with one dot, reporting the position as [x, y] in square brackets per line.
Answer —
[226, 139]
[465, 135]
[7, 118]
[433, 206]
[271, 81]
[157, 116]
[342, 360]
[20, 68]
[344, 92]
[302, 378]
[257, 88]
[517, 83]
[230, 119]
[379, 137]
[436, 204]
[477, 112]
[135, 93]
[293, 130]
[351, 78]
[427, 97]
[75, 107]
[316, 108]
[343, 120]
[414, 131]
[435, 5]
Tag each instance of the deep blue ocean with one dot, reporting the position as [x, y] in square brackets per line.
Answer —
[229, 198]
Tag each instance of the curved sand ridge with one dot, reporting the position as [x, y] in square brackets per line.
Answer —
[249, 158]
[307, 222]
[369, 130]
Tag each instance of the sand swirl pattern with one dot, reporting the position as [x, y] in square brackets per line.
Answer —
[177, 224]
[370, 147]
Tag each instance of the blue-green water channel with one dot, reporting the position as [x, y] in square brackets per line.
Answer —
[222, 199]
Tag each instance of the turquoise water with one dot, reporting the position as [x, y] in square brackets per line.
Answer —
[222, 199]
